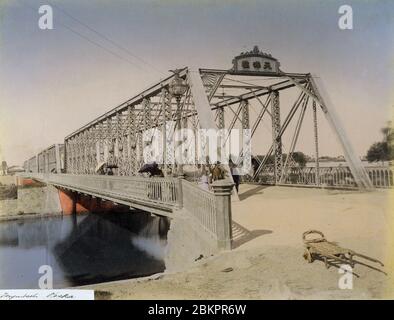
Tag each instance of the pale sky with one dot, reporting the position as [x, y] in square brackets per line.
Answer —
[54, 81]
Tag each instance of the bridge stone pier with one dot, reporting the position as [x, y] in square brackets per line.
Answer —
[200, 220]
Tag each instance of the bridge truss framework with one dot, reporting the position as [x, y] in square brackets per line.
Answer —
[117, 136]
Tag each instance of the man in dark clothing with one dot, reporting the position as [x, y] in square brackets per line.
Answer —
[153, 170]
[235, 174]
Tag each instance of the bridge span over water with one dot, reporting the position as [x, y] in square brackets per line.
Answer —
[207, 99]
[208, 211]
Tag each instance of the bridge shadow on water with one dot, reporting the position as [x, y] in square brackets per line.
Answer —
[242, 235]
[110, 247]
[82, 249]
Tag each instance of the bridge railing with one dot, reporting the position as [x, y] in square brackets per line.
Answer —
[201, 204]
[163, 192]
[211, 209]
[381, 177]
[328, 176]
[335, 177]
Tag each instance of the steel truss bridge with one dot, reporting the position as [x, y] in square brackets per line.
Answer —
[194, 99]
[219, 99]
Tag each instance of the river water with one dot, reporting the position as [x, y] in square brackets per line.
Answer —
[82, 249]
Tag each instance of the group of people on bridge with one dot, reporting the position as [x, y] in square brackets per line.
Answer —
[216, 172]
[207, 173]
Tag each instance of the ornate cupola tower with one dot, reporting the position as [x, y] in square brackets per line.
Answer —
[255, 61]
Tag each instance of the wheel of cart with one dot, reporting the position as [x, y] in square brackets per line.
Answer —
[308, 255]
[308, 239]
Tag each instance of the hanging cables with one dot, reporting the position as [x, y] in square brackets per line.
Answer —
[103, 36]
[97, 44]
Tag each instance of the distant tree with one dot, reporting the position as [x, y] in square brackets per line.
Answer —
[382, 151]
[260, 158]
[379, 151]
[388, 137]
[300, 158]
[388, 132]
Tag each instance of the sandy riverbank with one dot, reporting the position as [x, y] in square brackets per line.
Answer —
[267, 262]
[32, 201]
[7, 180]
[8, 207]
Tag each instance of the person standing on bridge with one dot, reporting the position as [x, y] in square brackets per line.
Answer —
[152, 169]
[154, 190]
[204, 179]
[217, 172]
[234, 173]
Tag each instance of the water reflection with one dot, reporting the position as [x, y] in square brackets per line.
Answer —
[83, 249]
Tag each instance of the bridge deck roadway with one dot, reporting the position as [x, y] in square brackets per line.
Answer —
[157, 195]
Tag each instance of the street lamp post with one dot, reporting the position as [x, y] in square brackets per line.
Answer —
[177, 89]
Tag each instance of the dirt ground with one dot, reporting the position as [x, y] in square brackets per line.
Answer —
[267, 261]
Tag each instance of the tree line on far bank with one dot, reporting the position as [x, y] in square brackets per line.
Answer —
[378, 152]
[382, 150]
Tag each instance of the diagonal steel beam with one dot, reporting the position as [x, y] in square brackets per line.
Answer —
[358, 171]
[282, 130]
[294, 140]
[203, 108]
[286, 84]
[257, 122]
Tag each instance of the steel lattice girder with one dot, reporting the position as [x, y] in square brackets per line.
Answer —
[155, 92]
[154, 106]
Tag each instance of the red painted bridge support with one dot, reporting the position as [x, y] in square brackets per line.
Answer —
[75, 203]
[70, 203]
[27, 182]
